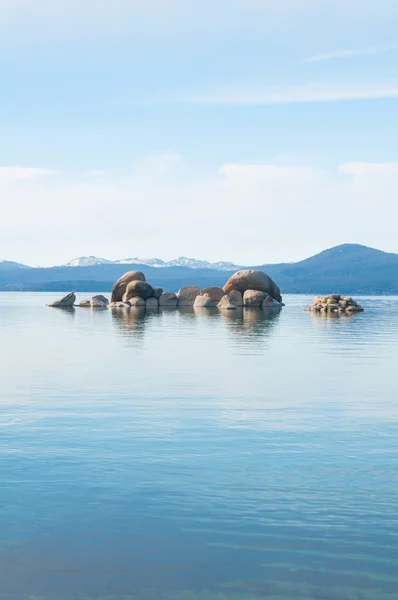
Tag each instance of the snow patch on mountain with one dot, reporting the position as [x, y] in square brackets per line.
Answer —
[182, 261]
[87, 261]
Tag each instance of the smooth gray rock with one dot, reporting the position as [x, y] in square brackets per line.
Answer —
[99, 301]
[152, 303]
[120, 286]
[157, 292]
[65, 302]
[205, 301]
[250, 279]
[216, 293]
[186, 295]
[253, 298]
[270, 302]
[168, 300]
[139, 289]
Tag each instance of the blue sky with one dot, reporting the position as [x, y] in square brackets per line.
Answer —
[246, 130]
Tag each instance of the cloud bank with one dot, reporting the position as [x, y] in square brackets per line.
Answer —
[248, 213]
[300, 94]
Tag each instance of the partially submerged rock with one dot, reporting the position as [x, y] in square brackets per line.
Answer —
[66, 302]
[236, 297]
[168, 300]
[334, 303]
[216, 293]
[186, 295]
[250, 279]
[152, 303]
[226, 303]
[85, 304]
[137, 302]
[205, 301]
[121, 284]
[270, 302]
[253, 298]
[99, 301]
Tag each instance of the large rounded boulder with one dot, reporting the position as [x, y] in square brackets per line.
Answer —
[187, 295]
[216, 293]
[251, 279]
[137, 289]
[120, 286]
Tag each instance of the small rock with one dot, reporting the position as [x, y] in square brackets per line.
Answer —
[253, 298]
[205, 301]
[85, 304]
[270, 302]
[168, 300]
[137, 302]
[65, 302]
[152, 303]
[226, 302]
[235, 297]
[157, 292]
[186, 296]
[99, 302]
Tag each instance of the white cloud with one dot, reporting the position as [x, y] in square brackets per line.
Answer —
[311, 93]
[349, 53]
[20, 173]
[250, 214]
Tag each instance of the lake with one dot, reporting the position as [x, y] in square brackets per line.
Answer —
[198, 455]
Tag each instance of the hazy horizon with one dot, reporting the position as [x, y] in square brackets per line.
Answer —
[176, 258]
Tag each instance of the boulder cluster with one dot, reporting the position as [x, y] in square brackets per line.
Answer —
[334, 303]
[246, 289]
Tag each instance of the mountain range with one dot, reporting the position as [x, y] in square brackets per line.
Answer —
[348, 269]
[157, 263]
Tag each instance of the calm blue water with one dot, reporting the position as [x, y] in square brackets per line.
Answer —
[198, 455]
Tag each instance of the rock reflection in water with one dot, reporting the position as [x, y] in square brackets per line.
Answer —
[252, 321]
[129, 320]
[247, 322]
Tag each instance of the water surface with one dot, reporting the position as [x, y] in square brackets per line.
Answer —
[198, 455]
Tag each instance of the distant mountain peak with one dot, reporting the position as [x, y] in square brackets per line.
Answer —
[8, 265]
[87, 261]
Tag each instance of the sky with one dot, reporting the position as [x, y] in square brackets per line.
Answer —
[251, 131]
